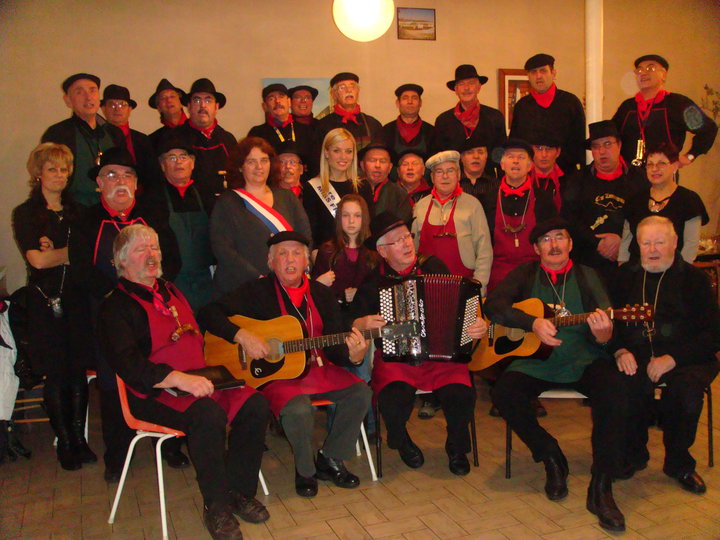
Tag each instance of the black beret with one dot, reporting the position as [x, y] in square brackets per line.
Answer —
[276, 87]
[313, 91]
[520, 144]
[344, 76]
[548, 225]
[286, 236]
[655, 58]
[67, 83]
[539, 60]
[409, 87]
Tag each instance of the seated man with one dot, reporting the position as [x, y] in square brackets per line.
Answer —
[578, 360]
[678, 349]
[150, 338]
[287, 291]
[395, 383]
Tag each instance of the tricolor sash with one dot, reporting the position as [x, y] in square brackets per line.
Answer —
[270, 217]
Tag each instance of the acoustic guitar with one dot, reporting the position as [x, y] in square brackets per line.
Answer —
[504, 343]
[287, 358]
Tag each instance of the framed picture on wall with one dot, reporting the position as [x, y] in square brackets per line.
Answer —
[416, 23]
[514, 84]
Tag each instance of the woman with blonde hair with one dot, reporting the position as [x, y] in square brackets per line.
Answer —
[338, 177]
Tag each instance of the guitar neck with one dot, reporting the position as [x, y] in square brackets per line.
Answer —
[320, 342]
[572, 320]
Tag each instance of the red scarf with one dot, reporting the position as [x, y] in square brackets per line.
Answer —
[468, 118]
[408, 131]
[554, 177]
[409, 269]
[555, 273]
[622, 167]
[297, 190]
[297, 294]
[114, 213]
[125, 128]
[519, 191]
[205, 131]
[183, 189]
[376, 190]
[307, 120]
[274, 123]
[456, 193]
[183, 119]
[644, 106]
[348, 116]
[546, 99]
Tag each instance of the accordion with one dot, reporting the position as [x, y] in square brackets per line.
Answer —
[443, 305]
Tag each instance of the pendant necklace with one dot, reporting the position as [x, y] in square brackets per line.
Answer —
[560, 309]
[514, 230]
[649, 330]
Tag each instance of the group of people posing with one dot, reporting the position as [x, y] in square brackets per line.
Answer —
[145, 243]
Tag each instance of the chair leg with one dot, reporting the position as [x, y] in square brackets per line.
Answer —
[508, 450]
[161, 483]
[126, 466]
[366, 443]
[378, 440]
[711, 446]
[263, 485]
[473, 440]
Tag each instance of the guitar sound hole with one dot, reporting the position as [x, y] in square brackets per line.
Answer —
[504, 345]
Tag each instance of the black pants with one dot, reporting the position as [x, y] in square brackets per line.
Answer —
[204, 424]
[679, 408]
[602, 382]
[396, 401]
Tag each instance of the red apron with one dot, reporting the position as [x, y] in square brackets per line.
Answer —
[317, 378]
[441, 241]
[184, 354]
[506, 256]
[103, 253]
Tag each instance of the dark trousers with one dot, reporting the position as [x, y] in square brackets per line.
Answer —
[204, 425]
[396, 401]
[679, 408]
[116, 434]
[602, 382]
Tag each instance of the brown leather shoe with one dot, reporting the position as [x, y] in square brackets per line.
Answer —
[249, 508]
[221, 523]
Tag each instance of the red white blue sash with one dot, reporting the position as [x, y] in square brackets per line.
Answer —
[270, 217]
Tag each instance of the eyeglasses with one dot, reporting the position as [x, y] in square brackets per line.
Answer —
[196, 100]
[182, 158]
[347, 87]
[606, 145]
[118, 105]
[290, 162]
[302, 98]
[548, 238]
[445, 172]
[659, 165]
[254, 162]
[400, 241]
[116, 177]
[647, 69]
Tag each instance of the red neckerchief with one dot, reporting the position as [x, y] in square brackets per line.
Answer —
[409, 269]
[408, 131]
[644, 106]
[554, 177]
[297, 190]
[158, 302]
[519, 191]
[456, 193]
[297, 294]
[555, 273]
[622, 167]
[114, 213]
[183, 119]
[183, 189]
[307, 120]
[468, 118]
[350, 116]
[205, 131]
[422, 186]
[546, 99]
[274, 123]
[376, 190]
[125, 128]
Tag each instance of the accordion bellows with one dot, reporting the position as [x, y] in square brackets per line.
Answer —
[443, 305]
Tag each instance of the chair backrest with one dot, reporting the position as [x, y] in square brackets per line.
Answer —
[134, 423]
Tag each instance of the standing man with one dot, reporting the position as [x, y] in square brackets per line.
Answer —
[211, 142]
[549, 108]
[459, 123]
[376, 163]
[578, 360]
[408, 131]
[678, 349]
[595, 196]
[546, 172]
[290, 163]
[280, 125]
[86, 133]
[655, 115]
[168, 100]
[301, 105]
[451, 224]
[411, 175]
[477, 177]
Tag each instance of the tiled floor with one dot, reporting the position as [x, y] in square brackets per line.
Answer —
[40, 500]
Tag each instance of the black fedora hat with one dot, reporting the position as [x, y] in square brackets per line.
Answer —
[479, 138]
[206, 86]
[116, 155]
[518, 144]
[163, 85]
[289, 147]
[466, 71]
[115, 91]
[603, 128]
[313, 91]
[72, 78]
[411, 152]
[285, 236]
[409, 87]
[380, 225]
[544, 137]
[174, 143]
[376, 145]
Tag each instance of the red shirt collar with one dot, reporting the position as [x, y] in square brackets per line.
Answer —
[183, 119]
[274, 123]
[205, 131]
[555, 273]
[183, 189]
[114, 213]
[456, 193]
[376, 190]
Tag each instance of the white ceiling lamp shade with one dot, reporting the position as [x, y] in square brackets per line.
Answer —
[363, 20]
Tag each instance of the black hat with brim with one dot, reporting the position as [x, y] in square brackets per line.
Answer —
[518, 144]
[653, 57]
[480, 137]
[112, 156]
[161, 87]
[205, 86]
[290, 147]
[539, 60]
[544, 227]
[288, 236]
[115, 91]
[174, 143]
[313, 91]
[409, 87]
[67, 83]
[275, 87]
[544, 138]
[603, 128]
[380, 225]
[466, 71]
[376, 145]
[344, 76]
[411, 152]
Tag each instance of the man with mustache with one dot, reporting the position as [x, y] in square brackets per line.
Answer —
[290, 163]
[678, 349]
[91, 255]
[211, 142]
[302, 98]
[478, 176]
[376, 163]
[595, 196]
[150, 339]
[579, 360]
[86, 133]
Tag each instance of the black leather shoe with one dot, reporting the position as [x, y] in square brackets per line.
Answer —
[67, 458]
[540, 411]
[249, 508]
[84, 453]
[692, 482]
[221, 523]
[175, 459]
[600, 502]
[334, 469]
[305, 486]
[459, 464]
[556, 472]
[411, 455]
[630, 470]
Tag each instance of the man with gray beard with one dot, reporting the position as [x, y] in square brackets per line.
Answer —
[91, 255]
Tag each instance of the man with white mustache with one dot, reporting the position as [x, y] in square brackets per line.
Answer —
[92, 257]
